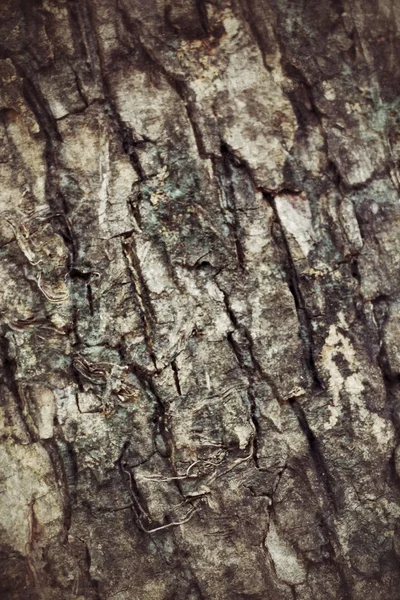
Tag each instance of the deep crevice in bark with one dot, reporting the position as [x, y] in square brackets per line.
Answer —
[9, 378]
[305, 322]
[315, 451]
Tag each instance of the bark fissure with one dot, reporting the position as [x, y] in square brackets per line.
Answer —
[9, 379]
[315, 452]
[305, 322]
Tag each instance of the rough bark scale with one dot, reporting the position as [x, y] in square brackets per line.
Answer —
[200, 281]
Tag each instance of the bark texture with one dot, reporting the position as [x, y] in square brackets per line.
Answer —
[199, 300]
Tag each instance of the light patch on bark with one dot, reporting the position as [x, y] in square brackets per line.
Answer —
[25, 472]
[392, 337]
[329, 91]
[350, 224]
[287, 566]
[104, 168]
[335, 344]
[295, 215]
[45, 403]
[338, 345]
[381, 429]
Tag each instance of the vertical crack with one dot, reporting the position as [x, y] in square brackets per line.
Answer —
[203, 17]
[89, 295]
[82, 14]
[225, 177]
[256, 424]
[306, 331]
[176, 377]
[247, 361]
[147, 384]
[88, 563]
[315, 451]
[251, 366]
[141, 293]
[8, 377]
[54, 195]
[63, 461]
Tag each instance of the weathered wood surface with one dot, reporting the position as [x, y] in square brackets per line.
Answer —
[199, 300]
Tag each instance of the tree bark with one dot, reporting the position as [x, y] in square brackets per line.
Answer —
[199, 300]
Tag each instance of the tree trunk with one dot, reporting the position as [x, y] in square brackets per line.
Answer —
[200, 294]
